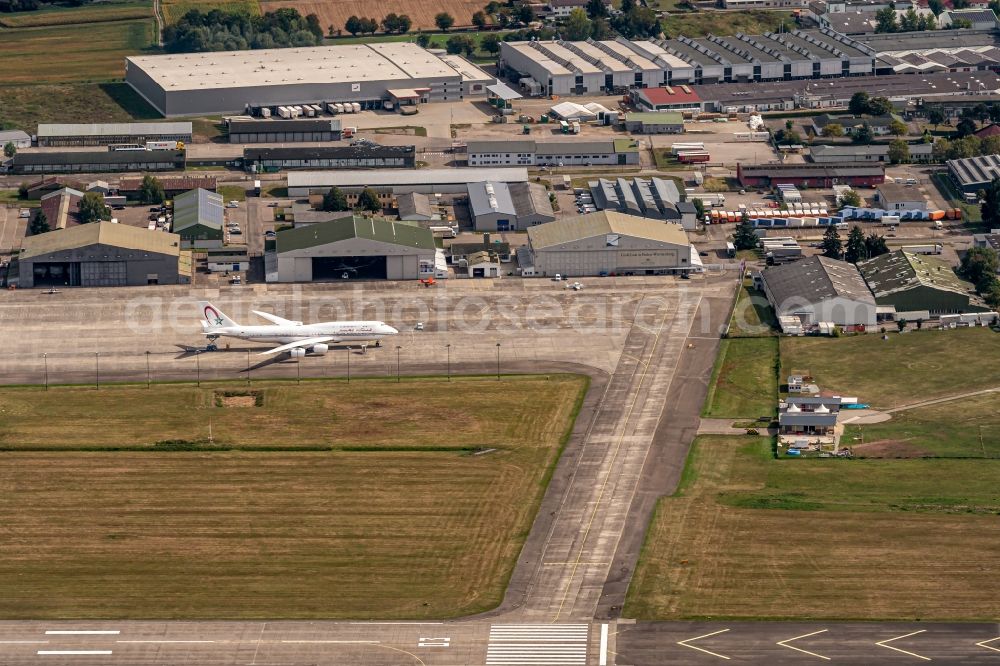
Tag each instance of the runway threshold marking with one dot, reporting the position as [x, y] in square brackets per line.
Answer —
[443, 641]
[82, 632]
[785, 643]
[912, 654]
[603, 655]
[983, 644]
[164, 641]
[24, 642]
[72, 652]
[698, 638]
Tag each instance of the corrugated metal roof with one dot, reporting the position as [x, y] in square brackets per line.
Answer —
[816, 279]
[198, 207]
[578, 227]
[375, 229]
[105, 233]
[378, 178]
[901, 271]
[113, 129]
[487, 198]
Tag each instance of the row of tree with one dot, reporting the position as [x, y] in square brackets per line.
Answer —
[392, 23]
[335, 200]
[859, 247]
[219, 30]
[886, 20]
[32, 5]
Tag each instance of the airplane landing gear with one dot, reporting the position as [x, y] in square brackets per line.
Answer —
[211, 346]
[378, 343]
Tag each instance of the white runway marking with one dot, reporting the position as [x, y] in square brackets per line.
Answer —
[696, 638]
[76, 652]
[164, 641]
[322, 642]
[82, 632]
[912, 654]
[542, 644]
[604, 646]
[785, 642]
[983, 644]
[413, 623]
[24, 642]
[444, 641]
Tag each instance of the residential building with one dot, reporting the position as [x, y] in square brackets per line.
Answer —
[819, 289]
[908, 284]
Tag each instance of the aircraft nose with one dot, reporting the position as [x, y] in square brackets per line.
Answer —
[390, 330]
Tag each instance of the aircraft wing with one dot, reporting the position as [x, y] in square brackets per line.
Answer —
[275, 319]
[305, 342]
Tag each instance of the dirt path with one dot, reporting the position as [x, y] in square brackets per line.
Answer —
[882, 415]
[158, 15]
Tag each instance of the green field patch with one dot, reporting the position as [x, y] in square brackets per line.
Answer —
[748, 22]
[26, 106]
[173, 10]
[110, 10]
[744, 381]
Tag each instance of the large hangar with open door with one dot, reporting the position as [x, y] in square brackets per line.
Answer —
[352, 248]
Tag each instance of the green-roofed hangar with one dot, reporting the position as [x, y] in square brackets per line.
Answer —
[102, 254]
[352, 247]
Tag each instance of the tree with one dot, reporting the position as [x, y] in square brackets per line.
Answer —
[39, 224]
[936, 6]
[353, 25]
[855, 250]
[490, 43]
[368, 200]
[992, 295]
[313, 26]
[875, 246]
[850, 198]
[601, 29]
[885, 20]
[979, 266]
[899, 152]
[863, 134]
[525, 14]
[390, 23]
[831, 245]
[479, 19]
[745, 238]
[878, 106]
[334, 200]
[597, 9]
[578, 26]
[699, 208]
[151, 190]
[369, 25]
[9, 149]
[833, 130]
[423, 40]
[909, 21]
[22, 191]
[443, 21]
[789, 124]
[965, 127]
[935, 116]
[92, 208]
[403, 24]
[900, 324]
[920, 323]
[897, 128]
[859, 103]
[991, 205]
[458, 44]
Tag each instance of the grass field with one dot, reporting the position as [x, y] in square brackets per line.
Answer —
[173, 10]
[26, 106]
[753, 537]
[69, 53]
[375, 533]
[904, 369]
[749, 22]
[753, 315]
[744, 383]
[422, 15]
[110, 10]
[232, 193]
[968, 428]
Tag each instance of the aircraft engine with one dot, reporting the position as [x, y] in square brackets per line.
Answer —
[320, 349]
[298, 352]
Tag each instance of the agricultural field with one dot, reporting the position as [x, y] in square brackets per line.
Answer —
[25, 106]
[65, 54]
[749, 22]
[420, 12]
[744, 381]
[750, 537]
[905, 369]
[383, 530]
[109, 10]
[173, 10]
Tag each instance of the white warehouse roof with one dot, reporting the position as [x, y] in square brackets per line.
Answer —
[354, 63]
[112, 129]
[404, 177]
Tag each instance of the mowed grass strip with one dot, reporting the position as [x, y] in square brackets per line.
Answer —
[26, 106]
[748, 22]
[744, 383]
[109, 10]
[902, 370]
[63, 54]
[753, 537]
[174, 10]
[372, 413]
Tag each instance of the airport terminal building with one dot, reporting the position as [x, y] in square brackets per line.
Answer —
[370, 74]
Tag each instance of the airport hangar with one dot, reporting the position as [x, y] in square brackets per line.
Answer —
[393, 182]
[370, 74]
[102, 254]
[352, 247]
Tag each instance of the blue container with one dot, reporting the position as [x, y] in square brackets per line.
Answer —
[793, 452]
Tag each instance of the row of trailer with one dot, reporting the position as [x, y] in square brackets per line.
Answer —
[816, 215]
[895, 216]
[310, 110]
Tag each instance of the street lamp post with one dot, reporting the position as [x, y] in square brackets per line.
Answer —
[397, 363]
[197, 361]
[498, 361]
[45, 359]
[97, 370]
[147, 369]
[248, 367]
[348, 364]
[448, 347]
[298, 371]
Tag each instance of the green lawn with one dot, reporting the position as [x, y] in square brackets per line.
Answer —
[902, 370]
[966, 428]
[107, 10]
[380, 529]
[26, 106]
[753, 315]
[232, 193]
[749, 22]
[971, 212]
[744, 382]
[71, 53]
[757, 538]
[173, 10]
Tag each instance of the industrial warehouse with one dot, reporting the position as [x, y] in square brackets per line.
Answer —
[269, 160]
[392, 182]
[527, 152]
[371, 74]
[105, 134]
[97, 162]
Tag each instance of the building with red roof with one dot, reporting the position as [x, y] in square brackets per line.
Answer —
[667, 98]
[989, 130]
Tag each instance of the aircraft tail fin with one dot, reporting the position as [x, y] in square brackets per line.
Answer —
[214, 317]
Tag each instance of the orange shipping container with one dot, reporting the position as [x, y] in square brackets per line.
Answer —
[937, 215]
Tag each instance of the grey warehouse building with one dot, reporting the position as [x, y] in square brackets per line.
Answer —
[284, 131]
[102, 254]
[393, 182]
[508, 207]
[230, 82]
[973, 174]
[352, 247]
[119, 161]
[103, 134]
[527, 152]
[261, 160]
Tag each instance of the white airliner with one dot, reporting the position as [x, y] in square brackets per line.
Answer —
[296, 337]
